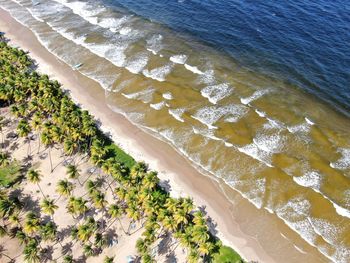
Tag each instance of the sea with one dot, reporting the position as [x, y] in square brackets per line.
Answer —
[255, 93]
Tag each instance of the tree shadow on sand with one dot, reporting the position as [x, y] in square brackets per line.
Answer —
[31, 205]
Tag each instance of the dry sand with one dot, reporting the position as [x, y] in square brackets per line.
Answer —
[255, 234]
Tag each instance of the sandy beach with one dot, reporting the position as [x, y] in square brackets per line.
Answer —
[255, 234]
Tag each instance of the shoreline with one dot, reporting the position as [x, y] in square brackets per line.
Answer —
[184, 179]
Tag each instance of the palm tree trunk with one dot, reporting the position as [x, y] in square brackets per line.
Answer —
[50, 159]
[41, 190]
[39, 142]
[29, 148]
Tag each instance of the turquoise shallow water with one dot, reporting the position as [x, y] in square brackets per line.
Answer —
[225, 108]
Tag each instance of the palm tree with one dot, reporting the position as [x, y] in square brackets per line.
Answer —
[88, 250]
[193, 256]
[31, 252]
[141, 246]
[48, 231]
[22, 237]
[205, 248]
[100, 241]
[64, 187]
[7, 207]
[99, 200]
[77, 206]
[73, 172]
[84, 232]
[36, 124]
[23, 130]
[47, 140]
[115, 212]
[4, 159]
[34, 177]
[147, 258]
[68, 259]
[48, 206]
[15, 220]
[108, 259]
[31, 224]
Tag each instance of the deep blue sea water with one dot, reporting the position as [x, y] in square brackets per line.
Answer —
[306, 43]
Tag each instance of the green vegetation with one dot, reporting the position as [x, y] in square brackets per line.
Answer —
[227, 255]
[9, 173]
[42, 107]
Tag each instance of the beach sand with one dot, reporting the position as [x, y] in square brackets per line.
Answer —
[255, 234]
[121, 246]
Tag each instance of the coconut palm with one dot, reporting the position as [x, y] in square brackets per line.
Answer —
[4, 159]
[64, 187]
[34, 177]
[205, 248]
[100, 241]
[31, 224]
[193, 256]
[85, 231]
[73, 172]
[108, 259]
[77, 206]
[7, 207]
[115, 212]
[23, 130]
[21, 236]
[147, 258]
[48, 206]
[15, 220]
[68, 259]
[31, 252]
[48, 231]
[47, 140]
[99, 199]
[88, 250]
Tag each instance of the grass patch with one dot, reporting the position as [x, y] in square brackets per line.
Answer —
[9, 174]
[227, 255]
[120, 155]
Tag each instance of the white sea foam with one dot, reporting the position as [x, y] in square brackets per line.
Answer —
[255, 152]
[177, 113]
[158, 73]
[158, 106]
[167, 96]
[301, 128]
[343, 162]
[272, 143]
[260, 113]
[137, 63]
[113, 23]
[217, 92]
[257, 94]
[273, 124]
[178, 59]
[311, 179]
[206, 133]
[145, 95]
[210, 114]
[154, 44]
[208, 77]
[227, 144]
[309, 121]
[194, 69]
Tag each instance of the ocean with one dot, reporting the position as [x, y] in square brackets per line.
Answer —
[255, 93]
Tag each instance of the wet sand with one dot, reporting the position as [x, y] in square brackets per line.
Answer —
[255, 234]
